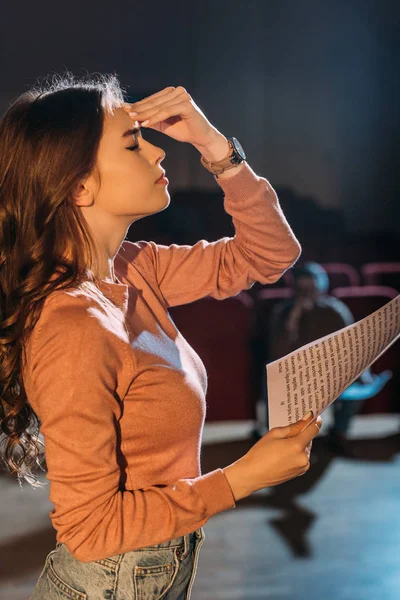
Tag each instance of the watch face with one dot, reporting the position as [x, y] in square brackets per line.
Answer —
[238, 148]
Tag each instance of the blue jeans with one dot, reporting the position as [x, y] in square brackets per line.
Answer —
[163, 571]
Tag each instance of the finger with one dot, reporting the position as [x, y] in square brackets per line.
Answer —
[291, 430]
[151, 117]
[148, 110]
[165, 92]
[304, 471]
[310, 432]
[308, 423]
[308, 450]
[156, 103]
[151, 112]
[129, 105]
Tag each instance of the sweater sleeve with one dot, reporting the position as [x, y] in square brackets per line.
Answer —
[261, 250]
[74, 374]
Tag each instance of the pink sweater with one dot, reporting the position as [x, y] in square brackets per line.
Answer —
[121, 394]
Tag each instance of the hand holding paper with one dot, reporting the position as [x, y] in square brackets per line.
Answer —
[280, 455]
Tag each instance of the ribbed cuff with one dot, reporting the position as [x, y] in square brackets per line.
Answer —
[215, 492]
[245, 182]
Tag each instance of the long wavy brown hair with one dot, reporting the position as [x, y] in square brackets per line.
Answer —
[49, 140]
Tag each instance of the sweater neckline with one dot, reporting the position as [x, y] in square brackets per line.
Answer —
[116, 292]
[119, 286]
[111, 282]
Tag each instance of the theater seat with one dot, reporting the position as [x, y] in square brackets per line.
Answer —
[274, 294]
[221, 332]
[288, 278]
[382, 273]
[341, 274]
[285, 282]
[364, 300]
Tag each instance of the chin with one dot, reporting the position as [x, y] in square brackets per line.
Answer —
[166, 199]
[166, 203]
[162, 205]
[156, 209]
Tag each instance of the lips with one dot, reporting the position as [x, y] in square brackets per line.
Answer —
[161, 176]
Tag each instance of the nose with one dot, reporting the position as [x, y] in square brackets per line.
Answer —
[154, 154]
[161, 155]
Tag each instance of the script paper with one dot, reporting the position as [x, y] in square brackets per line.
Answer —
[313, 376]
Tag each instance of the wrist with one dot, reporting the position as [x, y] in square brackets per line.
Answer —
[217, 149]
[234, 475]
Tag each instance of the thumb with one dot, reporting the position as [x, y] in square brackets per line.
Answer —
[295, 428]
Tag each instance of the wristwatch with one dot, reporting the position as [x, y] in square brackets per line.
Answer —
[235, 157]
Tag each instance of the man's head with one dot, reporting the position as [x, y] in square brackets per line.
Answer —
[310, 280]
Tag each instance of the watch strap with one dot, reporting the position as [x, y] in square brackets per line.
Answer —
[229, 162]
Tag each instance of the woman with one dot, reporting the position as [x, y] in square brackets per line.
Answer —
[89, 352]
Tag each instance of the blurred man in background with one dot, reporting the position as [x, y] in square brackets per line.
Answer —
[309, 315]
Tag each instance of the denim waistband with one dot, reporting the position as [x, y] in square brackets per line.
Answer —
[180, 541]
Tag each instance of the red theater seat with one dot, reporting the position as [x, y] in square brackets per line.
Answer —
[221, 332]
[274, 294]
[382, 273]
[284, 283]
[362, 301]
[288, 279]
[341, 274]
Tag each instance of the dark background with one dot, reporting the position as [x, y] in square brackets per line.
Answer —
[309, 88]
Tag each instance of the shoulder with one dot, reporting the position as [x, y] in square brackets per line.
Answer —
[334, 305]
[143, 255]
[136, 251]
[78, 312]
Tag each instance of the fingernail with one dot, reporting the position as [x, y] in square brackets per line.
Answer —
[126, 104]
[133, 114]
[308, 415]
[145, 123]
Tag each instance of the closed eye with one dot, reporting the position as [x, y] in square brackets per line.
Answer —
[133, 147]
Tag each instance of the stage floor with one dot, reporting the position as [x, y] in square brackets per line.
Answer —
[333, 534]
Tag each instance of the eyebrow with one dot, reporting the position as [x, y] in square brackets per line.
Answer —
[130, 132]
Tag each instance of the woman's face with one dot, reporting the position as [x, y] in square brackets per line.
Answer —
[127, 186]
[122, 190]
[125, 189]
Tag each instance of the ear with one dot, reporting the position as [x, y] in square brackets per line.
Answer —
[82, 194]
